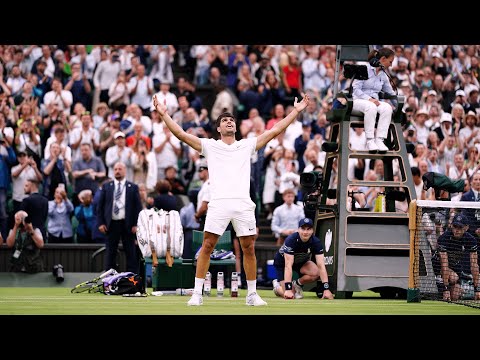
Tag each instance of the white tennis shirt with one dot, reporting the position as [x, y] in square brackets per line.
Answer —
[229, 167]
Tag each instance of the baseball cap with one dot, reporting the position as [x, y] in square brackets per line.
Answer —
[471, 113]
[202, 167]
[421, 112]
[432, 92]
[118, 134]
[305, 222]
[459, 220]
[306, 123]
[446, 117]
[460, 92]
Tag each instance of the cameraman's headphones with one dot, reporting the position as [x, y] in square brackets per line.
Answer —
[375, 61]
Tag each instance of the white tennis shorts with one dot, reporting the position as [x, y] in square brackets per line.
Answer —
[241, 212]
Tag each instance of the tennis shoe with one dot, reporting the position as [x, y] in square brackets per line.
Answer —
[372, 147]
[195, 300]
[381, 145]
[298, 291]
[227, 255]
[255, 300]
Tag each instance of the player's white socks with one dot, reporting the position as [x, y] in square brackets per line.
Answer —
[198, 285]
[251, 286]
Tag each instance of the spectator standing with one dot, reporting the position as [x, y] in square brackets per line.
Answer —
[36, 205]
[85, 216]
[60, 210]
[87, 170]
[118, 209]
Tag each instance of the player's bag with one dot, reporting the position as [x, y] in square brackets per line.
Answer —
[161, 230]
[123, 283]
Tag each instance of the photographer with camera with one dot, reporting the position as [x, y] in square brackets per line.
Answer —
[366, 98]
[27, 242]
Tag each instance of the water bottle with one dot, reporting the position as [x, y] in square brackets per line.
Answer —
[220, 283]
[182, 291]
[207, 286]
[234, 285]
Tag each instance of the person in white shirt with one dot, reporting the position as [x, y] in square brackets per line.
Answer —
[164, 95]
[63, 98]
[167, 149]
[229, 169]
[286, 217]
[141, 89]
[87, 61]
[84, 134]
[119, 153]
[26, 169]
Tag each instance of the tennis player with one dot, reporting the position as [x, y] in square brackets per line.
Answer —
[229, 170]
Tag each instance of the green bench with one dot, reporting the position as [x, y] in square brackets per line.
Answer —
[182, 272]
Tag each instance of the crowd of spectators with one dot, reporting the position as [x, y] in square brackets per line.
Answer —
[69, 113]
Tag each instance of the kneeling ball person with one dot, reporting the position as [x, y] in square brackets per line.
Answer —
[295, 255]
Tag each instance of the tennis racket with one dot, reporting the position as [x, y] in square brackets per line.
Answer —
[89, 285]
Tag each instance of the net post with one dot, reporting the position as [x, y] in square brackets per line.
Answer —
[413, 293]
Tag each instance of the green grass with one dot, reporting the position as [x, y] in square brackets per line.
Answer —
[59, 301]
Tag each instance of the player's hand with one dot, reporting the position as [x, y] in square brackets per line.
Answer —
[161, 108]
[327, 294]
[102, 229]
[300, 106]
[288, 294]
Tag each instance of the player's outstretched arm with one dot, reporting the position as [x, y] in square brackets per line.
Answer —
[176, 129]
[268, 135]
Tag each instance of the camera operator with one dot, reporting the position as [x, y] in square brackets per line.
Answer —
[27, 242]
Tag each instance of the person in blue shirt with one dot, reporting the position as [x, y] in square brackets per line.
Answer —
[366, 99]
[296, 255]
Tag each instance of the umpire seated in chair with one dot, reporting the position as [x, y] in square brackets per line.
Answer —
[118, 209]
